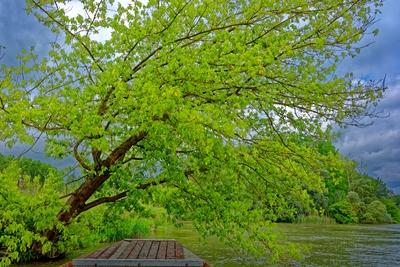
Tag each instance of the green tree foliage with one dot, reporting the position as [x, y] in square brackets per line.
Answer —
[392, 208]
[370, 199]
[26, 211]
[396, 199]
[376, 213]
[348, 194]
[375, 191]
[343, 212]
[192, 105]
[28, 167]
[335, 176]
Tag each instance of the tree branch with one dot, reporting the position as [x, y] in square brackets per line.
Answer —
[121, 150]
[142, 62]
[79, 158]
[68, 31]
[132, 158]
[103, 200]
[133, 47]
[174, 18]
[44, 128]
[119, 196]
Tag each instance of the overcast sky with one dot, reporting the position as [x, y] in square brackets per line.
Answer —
[376, 148]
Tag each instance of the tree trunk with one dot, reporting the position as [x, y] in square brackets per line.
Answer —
[53, 236]
[74, 206]
[77, 201]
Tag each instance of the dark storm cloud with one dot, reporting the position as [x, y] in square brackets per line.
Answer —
[36, 152]
[377, 147]
[382, 55]
[19, 31]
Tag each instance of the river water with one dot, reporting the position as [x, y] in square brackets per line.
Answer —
[324, 245]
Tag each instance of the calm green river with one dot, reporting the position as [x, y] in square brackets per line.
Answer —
[324, 245]
[327, 245]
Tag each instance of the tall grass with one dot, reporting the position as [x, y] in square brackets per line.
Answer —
[314, 219]
[126, 228]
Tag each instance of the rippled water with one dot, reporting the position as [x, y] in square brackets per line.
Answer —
[328, 245]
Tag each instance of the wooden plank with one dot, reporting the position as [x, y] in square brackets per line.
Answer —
[162, 250]
[137, 262]
[179, 251]
[137, 239]
[153, 250]
[171, 250]
[145, 250]
[109, 251]
[128, 250]
[95, 254]
[164, 253]
[135, 252]
[120, 250]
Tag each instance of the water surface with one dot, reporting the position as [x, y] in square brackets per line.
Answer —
[327, 245]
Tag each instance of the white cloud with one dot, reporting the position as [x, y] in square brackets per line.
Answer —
[75, 8]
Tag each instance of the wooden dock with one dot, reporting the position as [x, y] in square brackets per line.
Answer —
[141, 252]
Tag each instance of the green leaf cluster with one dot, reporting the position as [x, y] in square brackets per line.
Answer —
[27, 209]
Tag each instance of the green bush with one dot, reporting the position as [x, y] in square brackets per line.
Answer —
[377, 213]
[392, 209]
[124, 226]
[28, 208]
[342, 212]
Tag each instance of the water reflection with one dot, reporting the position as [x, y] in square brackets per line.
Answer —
[329, 245]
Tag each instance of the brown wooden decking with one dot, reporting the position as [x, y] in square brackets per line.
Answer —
[140, 252]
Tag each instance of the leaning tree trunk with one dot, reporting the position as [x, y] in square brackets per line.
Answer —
[77, 201]
[75, 205]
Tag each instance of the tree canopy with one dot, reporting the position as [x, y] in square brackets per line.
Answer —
[202, 107]
[29, 167]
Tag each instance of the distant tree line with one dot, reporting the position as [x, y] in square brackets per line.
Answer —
[348, 195]
[29, 167]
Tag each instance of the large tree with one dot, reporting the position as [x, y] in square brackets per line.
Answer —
[198, 105]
